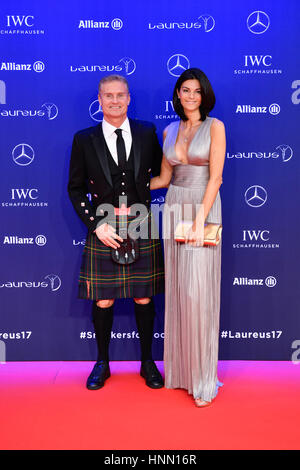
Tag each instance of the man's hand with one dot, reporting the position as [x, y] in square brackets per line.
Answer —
[107, 235]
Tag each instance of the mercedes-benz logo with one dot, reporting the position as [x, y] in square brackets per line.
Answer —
[286, 152]
[256, 196]
[55, 281]
[129, 65]
[51, 110]
[208, 21]
[177, 64]
[23, 154]
[258, 22]
[95, 111]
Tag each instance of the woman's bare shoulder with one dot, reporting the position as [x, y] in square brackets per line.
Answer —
[168, 127]
[217, 123]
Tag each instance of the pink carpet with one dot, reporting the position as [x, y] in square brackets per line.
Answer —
[45, 405]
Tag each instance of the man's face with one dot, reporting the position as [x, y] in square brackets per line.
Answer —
[114, 99]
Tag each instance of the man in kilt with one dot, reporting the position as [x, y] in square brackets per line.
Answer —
[114, 161]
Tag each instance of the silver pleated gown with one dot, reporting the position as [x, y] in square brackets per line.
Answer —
[192, 275]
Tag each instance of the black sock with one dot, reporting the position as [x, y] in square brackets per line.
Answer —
[144, 316]
[103, 321]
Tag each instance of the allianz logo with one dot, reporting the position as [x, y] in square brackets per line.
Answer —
[273, 109]
[37, 66]
[39, 240]
[52, 281]
[269, 281]
[282, 152]
[115, 24]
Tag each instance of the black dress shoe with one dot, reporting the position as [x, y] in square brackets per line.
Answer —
[151, 374]
[98, 375]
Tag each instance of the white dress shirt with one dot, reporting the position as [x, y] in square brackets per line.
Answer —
[111, 137]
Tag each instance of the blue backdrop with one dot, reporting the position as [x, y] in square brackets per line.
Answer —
[52, 58]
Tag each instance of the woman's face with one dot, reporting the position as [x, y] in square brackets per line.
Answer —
[190, 95]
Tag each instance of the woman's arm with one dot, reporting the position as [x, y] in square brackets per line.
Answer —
[166, 170]
[163, 180]
[216, 164]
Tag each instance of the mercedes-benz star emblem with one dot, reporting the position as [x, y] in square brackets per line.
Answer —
[23, 154]
[258, 22]
[256, 196]
[129, 65]
[96, 111]
[177, 64]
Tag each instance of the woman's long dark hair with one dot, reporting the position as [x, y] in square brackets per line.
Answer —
[207, 94]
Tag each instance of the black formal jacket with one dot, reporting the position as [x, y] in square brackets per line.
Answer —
[89, 169]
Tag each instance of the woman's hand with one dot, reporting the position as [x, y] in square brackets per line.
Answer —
[195, 235]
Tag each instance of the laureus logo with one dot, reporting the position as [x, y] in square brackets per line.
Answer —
[286, 152]
[55, 281]
[129, 65]
[208, 22]
[51, 110]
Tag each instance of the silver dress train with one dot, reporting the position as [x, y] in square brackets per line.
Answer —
[192, 275]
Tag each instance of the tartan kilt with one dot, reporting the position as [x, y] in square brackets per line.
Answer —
[102, 278]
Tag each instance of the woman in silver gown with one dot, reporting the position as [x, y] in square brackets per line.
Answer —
[192, 166]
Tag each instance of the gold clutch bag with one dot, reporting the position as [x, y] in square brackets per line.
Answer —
[212, 233]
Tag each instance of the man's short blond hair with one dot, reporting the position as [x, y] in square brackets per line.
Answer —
[112, 78]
